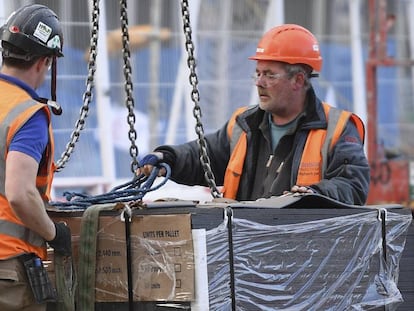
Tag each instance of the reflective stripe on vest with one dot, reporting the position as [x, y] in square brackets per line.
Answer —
[238, 149]
[21, 232]
[313, 160]
[5, 133]
[314, 157]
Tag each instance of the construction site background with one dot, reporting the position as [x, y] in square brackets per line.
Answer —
[225, 34]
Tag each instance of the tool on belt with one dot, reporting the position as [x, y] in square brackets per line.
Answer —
[42, 288]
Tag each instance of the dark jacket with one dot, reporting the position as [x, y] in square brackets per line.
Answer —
[346, 177]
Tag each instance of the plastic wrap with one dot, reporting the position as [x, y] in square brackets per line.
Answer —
[161, 261]
[336, 264]
[301, 259]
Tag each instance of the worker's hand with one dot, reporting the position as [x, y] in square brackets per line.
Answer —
[148, 163]
[62, 243]
[299, 189]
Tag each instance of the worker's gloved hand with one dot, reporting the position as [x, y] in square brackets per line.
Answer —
[148, 163]
[152, 159]
[62, 243]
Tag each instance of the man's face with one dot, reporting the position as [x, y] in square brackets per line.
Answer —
[274, 87]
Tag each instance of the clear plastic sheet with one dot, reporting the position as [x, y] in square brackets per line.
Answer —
[332, 264]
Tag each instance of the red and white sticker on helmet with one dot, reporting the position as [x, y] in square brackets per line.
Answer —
[42, 32]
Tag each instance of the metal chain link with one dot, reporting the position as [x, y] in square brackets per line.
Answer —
[132, 134]
[87, 96]
[195, 96]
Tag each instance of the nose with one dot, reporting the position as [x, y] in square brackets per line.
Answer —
[260, 81]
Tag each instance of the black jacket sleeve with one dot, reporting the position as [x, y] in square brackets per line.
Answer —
[185, 161]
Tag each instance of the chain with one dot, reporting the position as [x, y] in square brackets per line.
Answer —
[132, 134]
[195, 96]
[87, 95]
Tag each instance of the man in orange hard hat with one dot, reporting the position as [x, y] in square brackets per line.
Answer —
[289, 142]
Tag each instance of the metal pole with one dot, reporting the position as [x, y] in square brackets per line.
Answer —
[319, 16]
[359, 93]
[154, 74]
[102, 88]
[371, 83]
[223, 64]
[410, 20]
[182, 87]
[275, 16]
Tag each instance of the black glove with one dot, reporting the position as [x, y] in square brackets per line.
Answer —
[62, 243]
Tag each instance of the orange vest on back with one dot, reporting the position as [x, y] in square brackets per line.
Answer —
[314, 156]
[16, 108]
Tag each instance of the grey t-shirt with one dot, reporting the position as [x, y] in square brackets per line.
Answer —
[278, 131]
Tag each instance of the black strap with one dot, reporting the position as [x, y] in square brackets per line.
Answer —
[384, 233]
[229, 214]
[383, 216]
[129, 260]
[53, 81]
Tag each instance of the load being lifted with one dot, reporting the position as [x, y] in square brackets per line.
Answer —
[293, 252]
[290, 253]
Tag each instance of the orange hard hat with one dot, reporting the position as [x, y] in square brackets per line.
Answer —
[291, 44]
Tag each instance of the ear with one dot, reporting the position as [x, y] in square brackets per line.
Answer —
[41, 63]
[299, 80]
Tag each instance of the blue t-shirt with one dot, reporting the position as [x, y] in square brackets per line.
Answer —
[33, 136]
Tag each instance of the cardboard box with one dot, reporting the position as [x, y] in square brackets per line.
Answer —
[162, 257]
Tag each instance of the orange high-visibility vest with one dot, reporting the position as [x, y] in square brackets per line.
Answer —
[16, 108]
[314, 156]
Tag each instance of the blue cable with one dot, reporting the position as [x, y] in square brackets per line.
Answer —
[133, 190]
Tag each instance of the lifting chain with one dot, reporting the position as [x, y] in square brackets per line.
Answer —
[195, 96]
[132, 134]
[87, 96]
